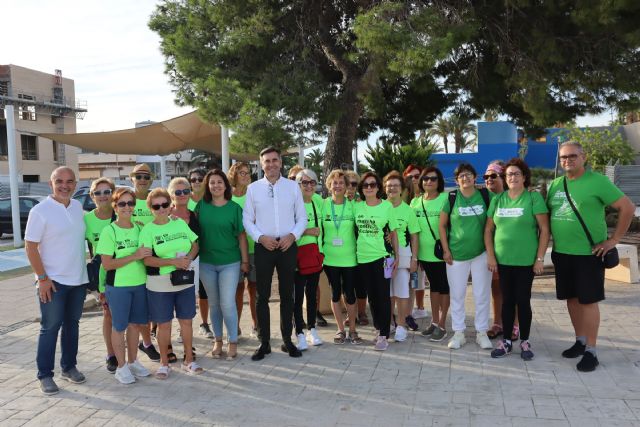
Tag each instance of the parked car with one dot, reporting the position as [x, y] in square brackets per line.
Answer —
[82, 190]
[86, 201]
[26, 203]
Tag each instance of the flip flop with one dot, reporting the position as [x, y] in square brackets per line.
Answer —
[162, 373]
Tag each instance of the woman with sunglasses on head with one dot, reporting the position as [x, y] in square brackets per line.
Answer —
[407, 234]
[101, 192]
[239, 175]
[461, 227]
[377, 260]
[339, 247]
[224, 256]
[125, 285]
[427, 209]
[516, 250]
[174, 248]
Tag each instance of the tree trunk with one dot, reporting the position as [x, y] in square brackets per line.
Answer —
[445, 142]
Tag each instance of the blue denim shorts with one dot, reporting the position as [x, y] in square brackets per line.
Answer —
[162, 305]
[128, 304]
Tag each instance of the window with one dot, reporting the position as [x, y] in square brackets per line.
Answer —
[5, 206]
[55, 150]
[27, 112]
[4, 149]
[29, 147]
[26, 205]
[30, 178]
[4, 90]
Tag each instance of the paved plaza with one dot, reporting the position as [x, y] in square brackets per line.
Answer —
[415, 383]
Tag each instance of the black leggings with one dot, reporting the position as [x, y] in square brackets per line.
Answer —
[359, 285]
[305, 285]
[372, 273]
[515, 283]
[341, 281]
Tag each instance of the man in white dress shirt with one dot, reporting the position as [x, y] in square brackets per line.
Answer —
[275, 217]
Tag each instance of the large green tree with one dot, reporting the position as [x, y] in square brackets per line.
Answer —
[343, 69]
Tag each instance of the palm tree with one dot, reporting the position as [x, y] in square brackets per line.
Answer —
[460, 127]
[314, 160]
[441, 128]
[205, 159]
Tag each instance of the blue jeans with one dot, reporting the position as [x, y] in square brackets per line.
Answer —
[221, 282]
[64, 310]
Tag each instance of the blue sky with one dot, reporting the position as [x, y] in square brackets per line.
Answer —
[109, 51]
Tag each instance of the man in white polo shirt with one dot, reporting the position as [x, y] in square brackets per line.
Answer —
[275, 217]
[54, 242]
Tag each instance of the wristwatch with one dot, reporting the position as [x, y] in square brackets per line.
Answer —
[42, 277]
[540, 259]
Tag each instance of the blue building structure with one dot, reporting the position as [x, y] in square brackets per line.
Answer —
[499, 141]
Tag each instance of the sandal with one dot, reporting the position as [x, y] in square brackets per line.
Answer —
[363, 320]
[495, 331]
[217, 350]
[355, 338]
[162, 373]
[171, 356]
[515, 334]
[339, 337]
[232, 350]
[192, 368]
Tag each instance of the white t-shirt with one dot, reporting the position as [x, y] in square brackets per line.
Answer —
[59, 231]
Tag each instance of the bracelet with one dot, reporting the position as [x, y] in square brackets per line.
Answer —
[42, 277]
[540, 259]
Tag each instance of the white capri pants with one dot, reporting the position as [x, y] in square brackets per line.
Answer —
[458, 274]
[400, 282]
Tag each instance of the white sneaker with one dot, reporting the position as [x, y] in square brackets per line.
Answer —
[419, 313]
[313, 338]
[124, 375]
[302, 342]
[179, 339]
[138, 370]
[401, 334]
[483, 341]
[457, 340]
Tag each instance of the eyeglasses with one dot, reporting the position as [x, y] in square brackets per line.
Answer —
[144, 177]
[571, 157]
[164, 205]
[130, 203]
[430, 178]
[489, 176]
[292, 178]
[414, 176]
[184, 192]
[243, 173]
[194, 180]
[370, 185]
[353, 184]
[465, 175]
[107, 192]
[307, 183]
[514, 174]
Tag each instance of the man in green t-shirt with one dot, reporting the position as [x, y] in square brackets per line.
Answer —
[578, 269]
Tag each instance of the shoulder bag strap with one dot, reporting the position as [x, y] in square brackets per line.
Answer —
[426, 217]
[575, 211]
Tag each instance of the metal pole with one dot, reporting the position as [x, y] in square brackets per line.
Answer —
[13, 175]
[163, 172]
[225, 148]
[301, 155]
[355, 157]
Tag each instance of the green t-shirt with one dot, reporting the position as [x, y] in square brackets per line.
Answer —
[141, 213]
[93, 228]
[407, 223]
[311, 222]
[338, 234]
[167, 240]
[372, 223]
[191, 205]
[240, 201]
[119, 243]
[590, 194]
[432, 209]
[219, 230]
[466, 234]
[516, 237]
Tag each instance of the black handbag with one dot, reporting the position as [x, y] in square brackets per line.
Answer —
[610, 259]
[438, 252]
[93, 273]
[182, 277]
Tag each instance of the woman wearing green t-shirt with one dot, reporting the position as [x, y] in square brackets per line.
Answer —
[125, 284]
[375, 220]
[461, 229]
[174, 247]
[101, 192]
[307, 284]
[427, 209]
[516, 251]
[339, 247]
[223, 257]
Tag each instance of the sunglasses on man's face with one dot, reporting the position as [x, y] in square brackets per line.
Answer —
[144, 177]
[184, 192]
[490, 176]
[106, 192]
[194, 180]
[164, 205]
[130, 203]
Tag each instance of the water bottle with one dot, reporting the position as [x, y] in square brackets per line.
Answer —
[413, 280]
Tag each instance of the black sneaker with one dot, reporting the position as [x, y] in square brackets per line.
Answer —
[112, 364]
[261, 351]
[588, 363]
[574, 351]
[150, 351]
[503, 349]
[293, 351]
[320, 320]
[411, 323]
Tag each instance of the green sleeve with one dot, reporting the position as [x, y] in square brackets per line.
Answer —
[539, 207]
[87, 230]
[393, 222]
[190, 234]
[609, 193]
[445, 205]
[551, 191]
[107, 242]
[492, 207]
[238, 220]
[145, 239]
[412, 224]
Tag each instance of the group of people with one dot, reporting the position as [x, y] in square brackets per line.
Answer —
[214, 235]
